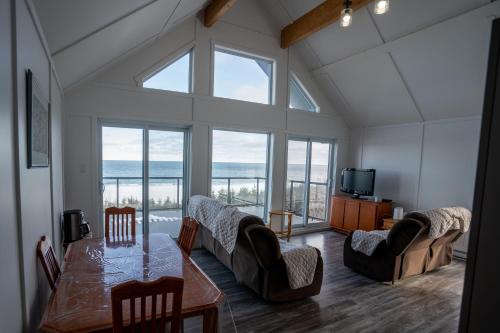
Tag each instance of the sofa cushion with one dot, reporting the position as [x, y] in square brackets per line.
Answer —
[403, 233]
[264, 244]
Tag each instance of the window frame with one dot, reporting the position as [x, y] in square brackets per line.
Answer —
[166, 62]
[241, 52]
[268, 161]
[294, 79]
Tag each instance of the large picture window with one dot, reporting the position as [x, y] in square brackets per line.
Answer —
[240, 170]
[243, 77]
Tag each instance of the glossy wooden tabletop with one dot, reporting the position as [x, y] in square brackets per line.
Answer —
[82, 301]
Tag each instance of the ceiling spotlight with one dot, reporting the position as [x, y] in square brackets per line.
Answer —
[346, 15]
[381, 7]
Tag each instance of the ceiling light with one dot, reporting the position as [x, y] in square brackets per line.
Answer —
[346, 15]
[381, 7]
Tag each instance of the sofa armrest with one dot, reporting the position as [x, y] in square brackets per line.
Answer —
[265, 245]
[403, 233]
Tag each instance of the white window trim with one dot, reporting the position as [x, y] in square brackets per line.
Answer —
[164, 63]
[246, 53]
[308, 95]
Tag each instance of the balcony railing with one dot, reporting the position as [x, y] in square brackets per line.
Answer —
[137, 201]
[246, 197]
[295, 202]
[243, 198]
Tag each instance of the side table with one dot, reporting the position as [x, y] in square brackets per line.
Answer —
[280, 213]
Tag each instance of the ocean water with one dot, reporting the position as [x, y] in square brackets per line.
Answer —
[161, 190]
[174, 169]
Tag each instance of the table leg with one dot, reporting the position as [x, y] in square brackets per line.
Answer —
[289, 227]
[210, 320]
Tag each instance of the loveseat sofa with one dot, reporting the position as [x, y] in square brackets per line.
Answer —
[256, 262]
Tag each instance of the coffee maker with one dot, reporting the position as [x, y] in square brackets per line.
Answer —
[75, 226]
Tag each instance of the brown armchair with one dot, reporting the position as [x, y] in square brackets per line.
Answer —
[406, 252]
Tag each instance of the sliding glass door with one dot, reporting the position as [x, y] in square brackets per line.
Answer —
[166, 154]
[145, 168]
[309, 180]
[122, 173]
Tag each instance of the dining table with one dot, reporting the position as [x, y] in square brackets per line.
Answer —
[91, 267]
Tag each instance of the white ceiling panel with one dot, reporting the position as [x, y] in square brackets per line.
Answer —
[374, 90]
[445, 66]
[186, 9]
[407, 16]
[252, 15]
[297, 8]
[306, 53]
[67, 21]
[117, 39]
[335, 97]
[334, 43]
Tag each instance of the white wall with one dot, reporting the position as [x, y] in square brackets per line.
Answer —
[422, 165]
[31, 198]
[10, 275]
[114, 95]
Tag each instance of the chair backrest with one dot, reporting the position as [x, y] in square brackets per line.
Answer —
[50, 265]
[187, 235]
[120, 219]
[137, 294]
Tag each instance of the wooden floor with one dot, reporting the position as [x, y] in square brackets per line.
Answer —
[348, 302]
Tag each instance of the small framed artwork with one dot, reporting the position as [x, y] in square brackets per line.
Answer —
[38, 124]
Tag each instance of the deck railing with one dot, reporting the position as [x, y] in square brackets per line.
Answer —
[229, 194]
[294, 201]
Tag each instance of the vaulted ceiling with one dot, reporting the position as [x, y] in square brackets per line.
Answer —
[84, 36]
[423, 60]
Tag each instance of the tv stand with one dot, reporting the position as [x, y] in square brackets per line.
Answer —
[348, 214]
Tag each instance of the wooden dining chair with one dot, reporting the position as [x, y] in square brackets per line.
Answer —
[156, 290]
[120, 220]
[187, 236]
[47, 256]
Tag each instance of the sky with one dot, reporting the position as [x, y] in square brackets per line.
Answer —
[250, 84]
[227, 146]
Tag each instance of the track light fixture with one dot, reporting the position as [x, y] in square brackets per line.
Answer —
[381, 7]
[346, 14]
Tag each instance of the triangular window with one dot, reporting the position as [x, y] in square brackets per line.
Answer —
[299, 97]
[176, 76]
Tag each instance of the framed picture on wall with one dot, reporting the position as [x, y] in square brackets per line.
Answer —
[38, 120]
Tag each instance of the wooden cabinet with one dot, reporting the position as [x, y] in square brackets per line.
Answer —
[348, 214]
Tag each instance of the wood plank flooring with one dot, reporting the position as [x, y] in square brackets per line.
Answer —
[348, 302]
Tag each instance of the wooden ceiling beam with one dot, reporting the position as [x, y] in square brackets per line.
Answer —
[316, 19]
[215, 10]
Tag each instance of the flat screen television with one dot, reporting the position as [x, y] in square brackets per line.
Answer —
[357, 181]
